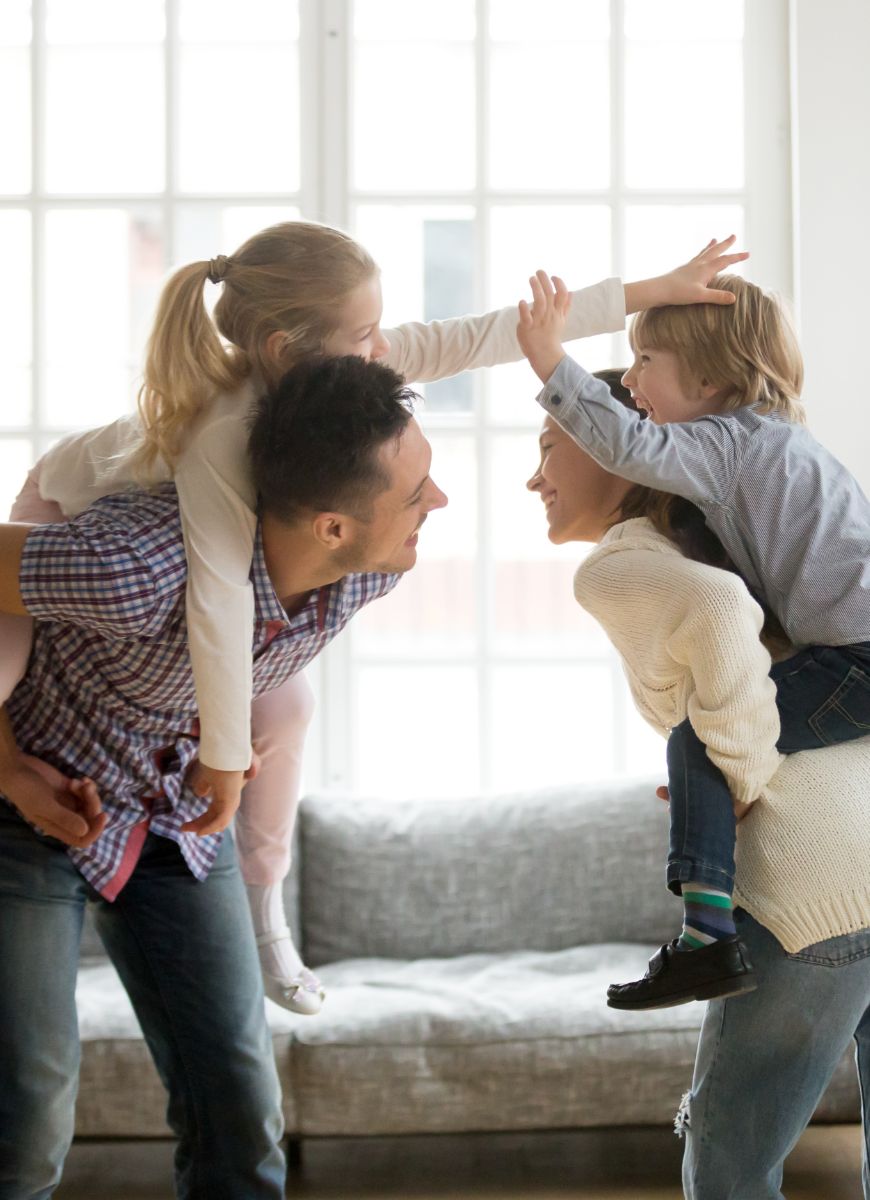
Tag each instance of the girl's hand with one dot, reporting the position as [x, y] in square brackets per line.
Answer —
[63, 808]
[542, 323]
[687, 284]
[225, 789]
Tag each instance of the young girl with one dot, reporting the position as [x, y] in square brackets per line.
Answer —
[721, 387]
[291, 291]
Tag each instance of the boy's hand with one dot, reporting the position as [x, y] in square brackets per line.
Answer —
[542, 323]
[63, 808]
[687, 284]
[225, 789]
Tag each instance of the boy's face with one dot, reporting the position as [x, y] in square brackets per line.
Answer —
[667, 393]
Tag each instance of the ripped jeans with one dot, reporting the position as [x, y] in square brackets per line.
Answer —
[765, 1059]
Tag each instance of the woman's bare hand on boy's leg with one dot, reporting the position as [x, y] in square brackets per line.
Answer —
[687, 284]
[542, 323]
[225, 789]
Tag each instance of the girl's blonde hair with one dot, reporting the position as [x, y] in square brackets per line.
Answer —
[290, 279]
[747, 349]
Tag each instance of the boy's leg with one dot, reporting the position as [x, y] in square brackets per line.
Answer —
[823, 696]
[42, 899]
[185, 952]
[764, 1061]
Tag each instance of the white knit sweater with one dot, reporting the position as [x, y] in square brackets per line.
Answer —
[688, 637]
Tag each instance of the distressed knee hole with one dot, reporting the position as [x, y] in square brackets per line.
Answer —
[683, 1119]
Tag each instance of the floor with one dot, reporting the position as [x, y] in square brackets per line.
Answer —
[641, 1164]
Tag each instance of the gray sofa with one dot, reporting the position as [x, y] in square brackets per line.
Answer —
[466, 946]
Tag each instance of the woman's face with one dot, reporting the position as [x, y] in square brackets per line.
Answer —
[580, 497]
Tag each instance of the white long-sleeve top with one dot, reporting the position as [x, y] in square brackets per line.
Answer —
[217, 497]
[687, 634]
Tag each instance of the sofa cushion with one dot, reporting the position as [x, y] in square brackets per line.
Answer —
[495, 1042]
[543, 870]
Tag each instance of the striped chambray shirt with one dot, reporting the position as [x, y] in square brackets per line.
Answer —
[794, 521]
[109, 689]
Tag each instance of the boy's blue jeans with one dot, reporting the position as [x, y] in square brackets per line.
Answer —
[186, 955]
[823, 697]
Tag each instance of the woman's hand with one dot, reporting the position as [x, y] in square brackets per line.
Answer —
[687, 284]
[542, 323]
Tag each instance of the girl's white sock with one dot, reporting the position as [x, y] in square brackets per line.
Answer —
[279, 957]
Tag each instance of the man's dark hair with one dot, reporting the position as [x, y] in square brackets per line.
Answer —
[315, 438]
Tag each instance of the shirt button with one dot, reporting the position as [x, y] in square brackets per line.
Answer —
[555, 398]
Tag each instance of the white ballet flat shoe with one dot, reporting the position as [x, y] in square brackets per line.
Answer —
[301, 993]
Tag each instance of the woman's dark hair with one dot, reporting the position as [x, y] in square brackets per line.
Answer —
[677, 518]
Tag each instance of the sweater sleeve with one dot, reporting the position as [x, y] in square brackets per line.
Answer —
[426, 352]
[732, 701]
[217, 502]
[661, 608]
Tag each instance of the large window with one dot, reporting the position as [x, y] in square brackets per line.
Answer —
[466, 142]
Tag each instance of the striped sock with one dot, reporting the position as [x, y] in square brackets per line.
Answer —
[708, 916]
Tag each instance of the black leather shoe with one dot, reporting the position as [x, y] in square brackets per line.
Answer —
[678, 976]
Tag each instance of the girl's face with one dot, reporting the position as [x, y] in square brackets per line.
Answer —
[359, 330]
[665, 392]
[579, 496]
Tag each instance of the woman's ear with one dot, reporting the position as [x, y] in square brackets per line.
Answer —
[275, 347]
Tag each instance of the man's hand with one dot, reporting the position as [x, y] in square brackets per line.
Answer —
[740, 809]
[542, 323]
[225, 789]
[687, 284]
[66, 809]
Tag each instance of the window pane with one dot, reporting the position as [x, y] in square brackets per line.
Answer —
[228, 21]
[659, 236]
[427, 261]
[424, 138]
[16, 25]
[16, 455]
[568, 240]
[568, 144]
[104, 272]
[104, 22]
[204, 230]
[239, 118]
[432, 612]
[104, 119]
[664, 71]
[416, 731]
[15, 295]
[551, 725]
[640, 750]
[534, 610]
[397, 20]
[15, 127]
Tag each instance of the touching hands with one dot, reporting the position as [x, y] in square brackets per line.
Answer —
[542, 323]
[687, 284]
[63, 808]
[225, 790]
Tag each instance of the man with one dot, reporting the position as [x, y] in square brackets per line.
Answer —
[342, 470]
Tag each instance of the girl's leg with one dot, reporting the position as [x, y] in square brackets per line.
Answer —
[264, 835]
[764, 1061]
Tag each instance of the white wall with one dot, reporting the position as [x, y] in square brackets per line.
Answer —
[831, 149]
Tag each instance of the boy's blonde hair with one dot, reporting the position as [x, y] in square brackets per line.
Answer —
[747, 349]
[289, 279]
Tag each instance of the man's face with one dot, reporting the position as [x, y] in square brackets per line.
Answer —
[388, 541]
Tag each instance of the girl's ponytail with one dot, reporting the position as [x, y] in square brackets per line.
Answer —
[186, 362]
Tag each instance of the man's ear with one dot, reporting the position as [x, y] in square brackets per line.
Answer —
[333, 531]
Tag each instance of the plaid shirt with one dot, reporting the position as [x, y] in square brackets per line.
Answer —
[109, 690]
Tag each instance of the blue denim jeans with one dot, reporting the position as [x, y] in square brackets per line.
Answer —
[186, 955]
[764, 1060]
[823, 697]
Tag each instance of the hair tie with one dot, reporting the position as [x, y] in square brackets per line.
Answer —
[217, 268]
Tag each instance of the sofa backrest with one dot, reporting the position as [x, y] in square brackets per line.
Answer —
[541, 870]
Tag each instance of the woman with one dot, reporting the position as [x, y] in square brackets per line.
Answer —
[803, 888]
